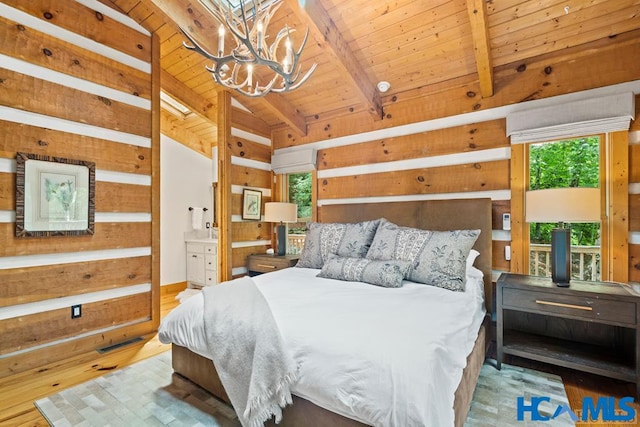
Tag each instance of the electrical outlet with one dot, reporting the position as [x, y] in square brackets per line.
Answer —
[76, 311]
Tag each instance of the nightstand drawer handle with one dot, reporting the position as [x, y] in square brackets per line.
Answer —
[559, 304]
[266, 266]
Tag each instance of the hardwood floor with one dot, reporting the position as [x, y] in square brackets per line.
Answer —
[18, 392]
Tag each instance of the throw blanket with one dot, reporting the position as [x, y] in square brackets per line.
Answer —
[248, 351]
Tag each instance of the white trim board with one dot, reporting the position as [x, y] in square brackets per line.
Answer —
[7, 216]
[238, 271]
[123, 177]
[250, 136]
[250, 243]
[10, 216]
[38, 260]
[27, 309]
[420, 163]
[40, 120]
[52, 76]
[73, 38]
[122, 217]
[237, 189]
[9, 166]
[249, 163]
[493, 195]
[463, 119]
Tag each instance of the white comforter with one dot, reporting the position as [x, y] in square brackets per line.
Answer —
[382, 356]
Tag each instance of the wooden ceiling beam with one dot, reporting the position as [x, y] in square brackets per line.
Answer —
[200, 105]
[480, 30]
[193, 18]
[324, 31]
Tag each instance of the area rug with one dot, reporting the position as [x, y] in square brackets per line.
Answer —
[147, 393]
[495, 397]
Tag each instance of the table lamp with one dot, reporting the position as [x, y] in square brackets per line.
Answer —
[281, 212]
[562, 205]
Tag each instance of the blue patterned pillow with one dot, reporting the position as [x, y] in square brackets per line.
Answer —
[437, 258]
[344, 239]
[381, 273]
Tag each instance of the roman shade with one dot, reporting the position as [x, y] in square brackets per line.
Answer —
[294, 161]
[609, 113]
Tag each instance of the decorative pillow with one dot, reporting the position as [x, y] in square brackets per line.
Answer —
[381, 273]
[437, 258]
[344, 239]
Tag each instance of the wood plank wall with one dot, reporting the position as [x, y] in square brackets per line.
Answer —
[77, 83]
[250, 168]
[419, 157]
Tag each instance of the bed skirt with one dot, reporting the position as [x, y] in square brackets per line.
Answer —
[201, 371]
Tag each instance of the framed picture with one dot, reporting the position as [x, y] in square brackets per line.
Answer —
[251, 204]
[54, 196]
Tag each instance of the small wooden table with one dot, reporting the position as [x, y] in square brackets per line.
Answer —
[589, 326]
[265, 263]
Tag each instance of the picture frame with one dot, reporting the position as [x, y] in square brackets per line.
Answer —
[55, 196]
[251, 204]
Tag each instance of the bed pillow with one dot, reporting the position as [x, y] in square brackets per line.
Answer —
[437, 258]
[473, 254]
[388, 274]
[344, 239]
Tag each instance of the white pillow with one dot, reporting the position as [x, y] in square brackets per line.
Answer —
[471, 258]
[474, 277]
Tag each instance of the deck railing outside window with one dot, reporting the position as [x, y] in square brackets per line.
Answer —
[295, 242]
[585, 261]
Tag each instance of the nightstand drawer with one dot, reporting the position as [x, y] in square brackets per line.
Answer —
[621, 312]
[264, 264]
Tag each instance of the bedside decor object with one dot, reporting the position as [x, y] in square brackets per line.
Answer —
[54, 196]
[251, 204]
[281, 212]
[562, 205]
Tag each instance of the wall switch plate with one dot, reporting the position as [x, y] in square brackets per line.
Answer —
[506, 221]
[507, 253]
[76, 311]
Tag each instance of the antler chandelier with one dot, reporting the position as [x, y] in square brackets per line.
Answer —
[244, 67]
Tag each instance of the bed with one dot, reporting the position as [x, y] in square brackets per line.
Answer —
[360, 406]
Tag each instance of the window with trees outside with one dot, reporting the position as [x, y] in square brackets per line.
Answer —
[300, 193]
[570, 163]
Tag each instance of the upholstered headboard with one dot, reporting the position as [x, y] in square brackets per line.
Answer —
[456, 214]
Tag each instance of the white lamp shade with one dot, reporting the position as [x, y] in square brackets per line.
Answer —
[280, 212]
[563, 205]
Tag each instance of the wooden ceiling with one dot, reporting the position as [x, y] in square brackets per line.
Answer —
[417, 46]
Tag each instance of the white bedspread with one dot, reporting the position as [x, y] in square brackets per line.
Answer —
[385, 357]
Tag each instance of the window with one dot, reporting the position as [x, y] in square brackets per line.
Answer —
[299, 192]
[569, 163]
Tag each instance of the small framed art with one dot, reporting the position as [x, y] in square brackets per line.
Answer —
[251, 204]
[54, 196]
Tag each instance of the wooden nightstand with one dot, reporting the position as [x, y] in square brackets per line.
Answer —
[264, 263]
[589, 326]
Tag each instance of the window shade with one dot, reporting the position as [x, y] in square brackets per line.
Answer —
[294, 161]
[609, 113]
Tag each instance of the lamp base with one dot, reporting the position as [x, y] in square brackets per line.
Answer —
[281, 231]
[561, 257]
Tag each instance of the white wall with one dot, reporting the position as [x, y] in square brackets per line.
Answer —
[185, 180]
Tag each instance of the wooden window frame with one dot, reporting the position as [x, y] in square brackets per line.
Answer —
[614, 182]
